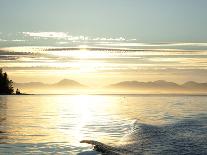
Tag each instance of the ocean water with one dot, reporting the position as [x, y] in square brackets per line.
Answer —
[125, 124]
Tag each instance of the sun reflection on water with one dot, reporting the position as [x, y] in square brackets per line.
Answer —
[84, 109]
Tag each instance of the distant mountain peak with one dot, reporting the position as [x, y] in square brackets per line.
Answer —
[62, 83]
[190, 83]
[160, 85]
[68, 82]
[160, 81]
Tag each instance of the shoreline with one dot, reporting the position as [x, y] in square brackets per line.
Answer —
[112, 94]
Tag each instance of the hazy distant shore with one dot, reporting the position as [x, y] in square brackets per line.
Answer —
[67, 86]
[115, 94]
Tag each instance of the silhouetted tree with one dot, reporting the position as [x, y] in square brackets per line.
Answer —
[6, 87]
[18, 92]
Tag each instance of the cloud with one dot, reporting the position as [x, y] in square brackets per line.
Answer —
[136, 44]
[2, 40]
[18, 40]
[66, 39]
[106, 62]
[66, 36]
[46, 34]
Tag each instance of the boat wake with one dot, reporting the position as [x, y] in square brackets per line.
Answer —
[184, 137]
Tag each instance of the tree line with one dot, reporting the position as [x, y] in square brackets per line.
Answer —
[6, 85]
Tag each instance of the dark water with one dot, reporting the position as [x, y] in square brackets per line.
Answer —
[125, 124]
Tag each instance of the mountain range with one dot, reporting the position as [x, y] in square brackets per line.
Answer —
[65, 83]
[159, 86]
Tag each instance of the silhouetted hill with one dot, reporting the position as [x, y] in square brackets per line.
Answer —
[30, 84]
[160, 85]
[136, 84]
[68, 83]
[195, 85]
[65, 83]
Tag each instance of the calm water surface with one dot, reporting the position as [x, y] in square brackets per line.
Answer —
[55, 124]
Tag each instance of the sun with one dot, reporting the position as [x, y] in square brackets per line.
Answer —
[83, 47]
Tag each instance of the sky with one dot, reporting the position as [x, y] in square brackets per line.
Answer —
[50, 40]
[145, 20]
